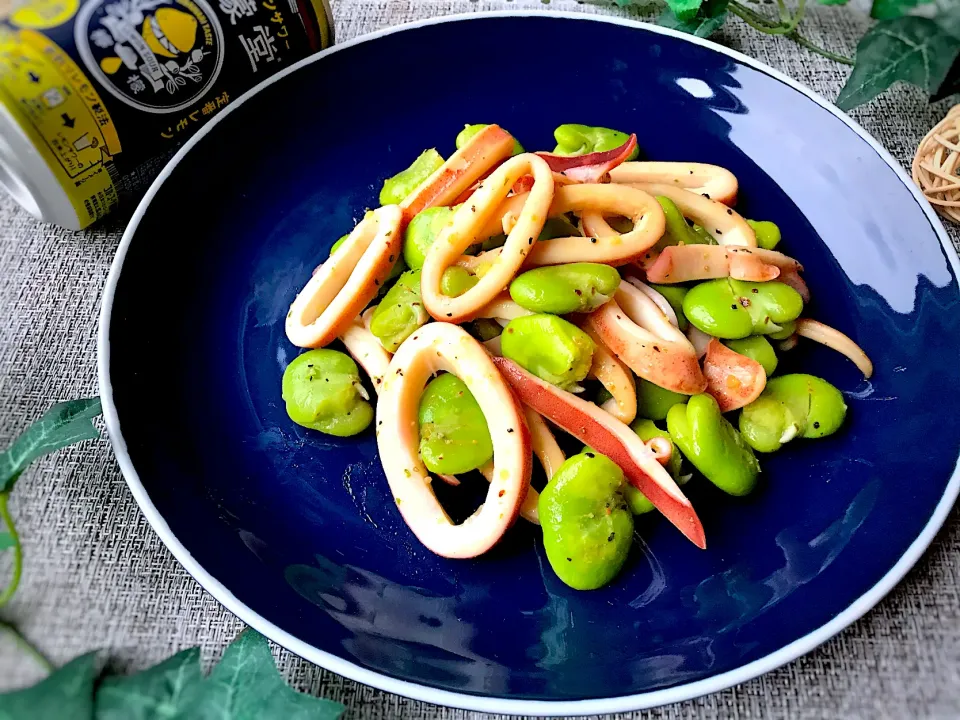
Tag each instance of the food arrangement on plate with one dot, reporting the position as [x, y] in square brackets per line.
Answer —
[500, 296]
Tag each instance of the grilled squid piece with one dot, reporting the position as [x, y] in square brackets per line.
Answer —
[607, 435]
[589, 168]
[615, 377]
[733, 379]
[432, 348]
[344, 284]
[502, 308]
[659, 300]
[724, 224]
[467, 165]
[638, 333]
[683, 263]
[833, 338]
[366, 349]
[711, 181]
[465, 227]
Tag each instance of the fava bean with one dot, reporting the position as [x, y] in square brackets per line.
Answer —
[422, 231]
[322, 391]
[455, 281]
[485, 329]
[654, 402]
[792, 406]
[768, 234]
[678, 232]
[563, 289]
[732, 309]
[465, 135]
[583, 139]
[756, 347]
[396, 188]
[786, 330]
[587, 527]
[400, 312]
[713, 445]
[674, 295]
[549, 347]
[454, 437]
[646, 430]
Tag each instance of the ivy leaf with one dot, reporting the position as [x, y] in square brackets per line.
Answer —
[710, 18]
[65, 695]
[833, 2]
[889, 9]
[64, 424]
[908, 49]
[157, 693]
[6, 540]
[246, 685]
[684, 9]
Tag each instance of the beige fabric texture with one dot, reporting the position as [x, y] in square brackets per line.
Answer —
[97, 576]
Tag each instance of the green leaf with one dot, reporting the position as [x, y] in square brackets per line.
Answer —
[914, 50]
[65, 695]
[6, 540]
[64, 424]
[158, 693]
[710, 18]
[833, 2]
[889, 9]
[684, 9]
[245, 685]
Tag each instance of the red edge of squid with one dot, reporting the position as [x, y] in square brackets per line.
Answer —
[592, 167]
[733, 379]
[575, 417]
[492, 141]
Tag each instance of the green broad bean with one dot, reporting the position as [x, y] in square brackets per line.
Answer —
[456, 280]
[563, 289]
[555, 227]
[421, 233]
[400, 312]
[705, 237]
[338, 243]
[550, 347]
[397, 188]
[485, 329]
[786, 330]
[322, 391]
[768, 234]
[674, 295]
[454, 437]
[587, 526]
[733, 309]
[583, 139]
[646, 430]
[756, 347]
[713, 445]
[677, 232]
[654, 402]
[466, 135]
[792, 406]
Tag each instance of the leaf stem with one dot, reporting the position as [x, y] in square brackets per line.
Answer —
[787, 28]
[813, 47]
[27, 646]
[17, 551]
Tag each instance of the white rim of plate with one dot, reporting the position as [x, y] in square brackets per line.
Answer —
[468, 701]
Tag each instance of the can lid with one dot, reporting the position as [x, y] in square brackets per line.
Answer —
[27, 179]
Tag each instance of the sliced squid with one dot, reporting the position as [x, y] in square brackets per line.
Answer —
[615, 377]
[733, 379]
[661, 302]
[712, 181]
[638, 333]
[433, 348]
[833, 338]
[465, 227]
[724, 224]
[607, 435]
[684, 263]
[344, 284]
[367, 351]
[589, 168]
[699, 339]
[502, 307]
[485, 151]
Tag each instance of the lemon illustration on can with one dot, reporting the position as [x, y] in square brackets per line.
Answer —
[160, 59]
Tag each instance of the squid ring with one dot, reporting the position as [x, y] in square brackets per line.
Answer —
[615, 378]
[724, 224]
[435, 347]
[344, 284]
[367, 349]
[682, 263]
[712, 181]
[638, 333]
[469, 220]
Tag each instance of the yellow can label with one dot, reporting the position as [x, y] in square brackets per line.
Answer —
[64, 116]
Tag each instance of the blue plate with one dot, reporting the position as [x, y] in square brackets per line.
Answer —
[297, 533]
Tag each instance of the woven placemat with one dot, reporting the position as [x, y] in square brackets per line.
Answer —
[98, 577]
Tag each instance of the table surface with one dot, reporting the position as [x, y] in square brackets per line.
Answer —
[98, 577]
